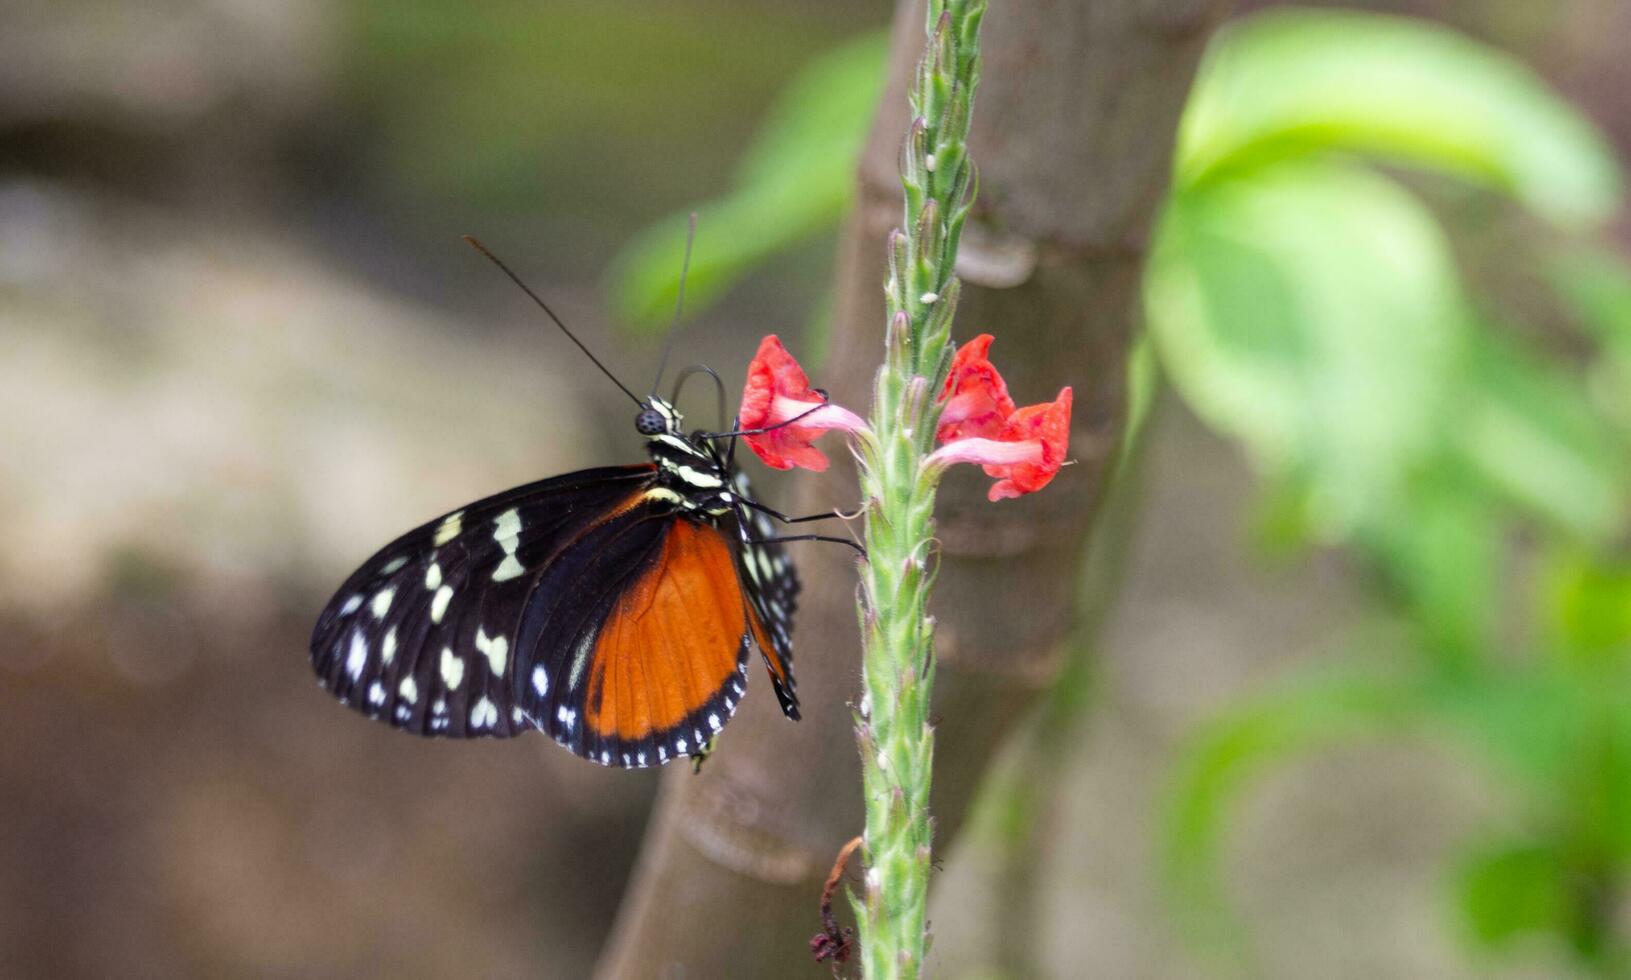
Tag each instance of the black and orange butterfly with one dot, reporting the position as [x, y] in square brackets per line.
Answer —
[613, 608]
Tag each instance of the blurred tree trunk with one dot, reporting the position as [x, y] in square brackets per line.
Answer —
[1073, 134]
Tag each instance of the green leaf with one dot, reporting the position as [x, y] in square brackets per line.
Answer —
[1291, 83]
[1530, 430]
[796, 179]
[1511, 890]
[1586, 606]
[1443, 547]
[1526, 721]
[1596, 285]
[1313, 312]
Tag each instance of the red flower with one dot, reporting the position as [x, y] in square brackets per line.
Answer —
[777, 391]
[1026, 453]
[975, 400]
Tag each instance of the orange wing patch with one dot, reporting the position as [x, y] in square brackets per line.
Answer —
[671, 642]
[773, 655]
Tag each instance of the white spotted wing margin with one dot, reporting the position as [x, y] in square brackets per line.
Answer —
[424, 635]
[612, 629]
[771, 585]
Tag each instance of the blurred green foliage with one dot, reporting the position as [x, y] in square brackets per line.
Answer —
[582, 112]
[1308, 304]
[1304, 298]
[1309, 308]
[795, 179]
[1300, 82]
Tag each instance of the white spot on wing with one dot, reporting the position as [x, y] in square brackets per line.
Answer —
[484, 714]
[507, 532]
[566, 716]
[452, 669]
[713, 722]
[394, 565]
[495, 648]
[509, 568]
[358, 656]
[351, 605]
[580, 657]
[409, 690]
[438, 603]
[433, 577]
[540, 681]
[387, 652]
[450, 528]
[376, 693]
[382, 602]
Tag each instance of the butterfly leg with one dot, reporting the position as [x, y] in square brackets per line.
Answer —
[826, 515]
[809, 537]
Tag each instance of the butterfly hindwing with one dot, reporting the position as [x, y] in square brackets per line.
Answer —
[423, 634]
[636, 644]
[772, 587]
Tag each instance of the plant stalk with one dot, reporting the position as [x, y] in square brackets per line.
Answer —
[893, 732]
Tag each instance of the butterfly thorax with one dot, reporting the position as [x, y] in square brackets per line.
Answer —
[690, 472]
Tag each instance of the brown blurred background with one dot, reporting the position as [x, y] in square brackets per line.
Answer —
[241, 345]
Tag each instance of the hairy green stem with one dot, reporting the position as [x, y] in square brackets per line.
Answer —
[892, 721]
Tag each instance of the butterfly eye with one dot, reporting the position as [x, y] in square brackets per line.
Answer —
[650, 422]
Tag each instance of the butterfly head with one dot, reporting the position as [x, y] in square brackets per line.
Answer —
[657, 417]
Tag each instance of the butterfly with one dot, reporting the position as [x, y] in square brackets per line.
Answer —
[615, 609]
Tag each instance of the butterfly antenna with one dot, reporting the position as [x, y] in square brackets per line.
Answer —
[679, 304]
[479, 247]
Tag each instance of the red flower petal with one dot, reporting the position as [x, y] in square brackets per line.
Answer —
[975, 400]
[1048, 425]
[778, 390]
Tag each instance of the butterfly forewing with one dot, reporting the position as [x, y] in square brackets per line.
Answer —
[423, 635]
